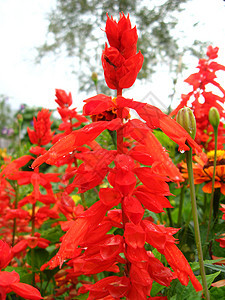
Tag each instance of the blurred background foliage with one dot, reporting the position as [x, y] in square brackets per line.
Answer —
[74, 29]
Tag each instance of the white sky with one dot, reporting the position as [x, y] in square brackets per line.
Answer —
[23, 26]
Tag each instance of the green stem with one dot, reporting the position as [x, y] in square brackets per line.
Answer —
[32, 250]
[216, 202]
[205, 207]
[169, 217]
[15, 206]
[186, 229]
[182, 192]
[213, 184]
[83, 201]
[196, 225]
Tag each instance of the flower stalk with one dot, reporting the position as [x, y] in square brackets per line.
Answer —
[214, 119]
[186, 119]
[196, 224]
[182, 192]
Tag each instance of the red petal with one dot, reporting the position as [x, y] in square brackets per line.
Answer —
[26, 291]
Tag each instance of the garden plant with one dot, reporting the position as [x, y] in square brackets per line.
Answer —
[111, 206]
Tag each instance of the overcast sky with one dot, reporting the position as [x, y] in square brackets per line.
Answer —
[23, 26]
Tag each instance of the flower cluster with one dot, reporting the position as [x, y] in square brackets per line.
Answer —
[201, 99]
[120, 61]
[136, 180]
[10, 281]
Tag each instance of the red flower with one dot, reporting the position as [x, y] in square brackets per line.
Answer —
[41, 135]
[5, 254]
[121, 36]
[200, 100]
[120, 72]
[63, 99]
[9, 281]
[120, 62]
[88, 244]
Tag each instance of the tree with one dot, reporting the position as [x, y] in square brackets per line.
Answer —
[74, 29]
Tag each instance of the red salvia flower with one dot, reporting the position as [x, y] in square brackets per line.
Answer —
[200, 100]
[120, 62]
[10, 281]
[41, 135]
[63, 99]
[87, 245]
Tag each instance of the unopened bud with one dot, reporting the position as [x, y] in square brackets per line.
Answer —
[19, 118]
[94, 77]
[214, 117]
[186, 119]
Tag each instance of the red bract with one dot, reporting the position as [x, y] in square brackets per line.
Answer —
[41, 135]
[121, 36]
[119, 72]
[120, 62]
[62, 98]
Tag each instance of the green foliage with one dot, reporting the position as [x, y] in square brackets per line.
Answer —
[41, 257]
[217, 293]
[53, 234]
[180, 292]
[6, 118]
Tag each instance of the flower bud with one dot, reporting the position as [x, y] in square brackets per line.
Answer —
[186, 119]
[214, 117]
[94, 77]
[19, 118]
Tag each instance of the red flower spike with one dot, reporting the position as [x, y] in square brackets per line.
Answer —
[212, 52]
[201, 101]
[63, 100]
[121, 35]
[41, 135]
[119, 72]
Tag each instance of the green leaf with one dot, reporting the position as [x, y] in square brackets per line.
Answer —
[25, 277]
[207, 263]
[217, 293]
[188, 292]
[82, 297]
[216, 267]
[52, 234]
[41, 256]
[156, 288]
[209, 278]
